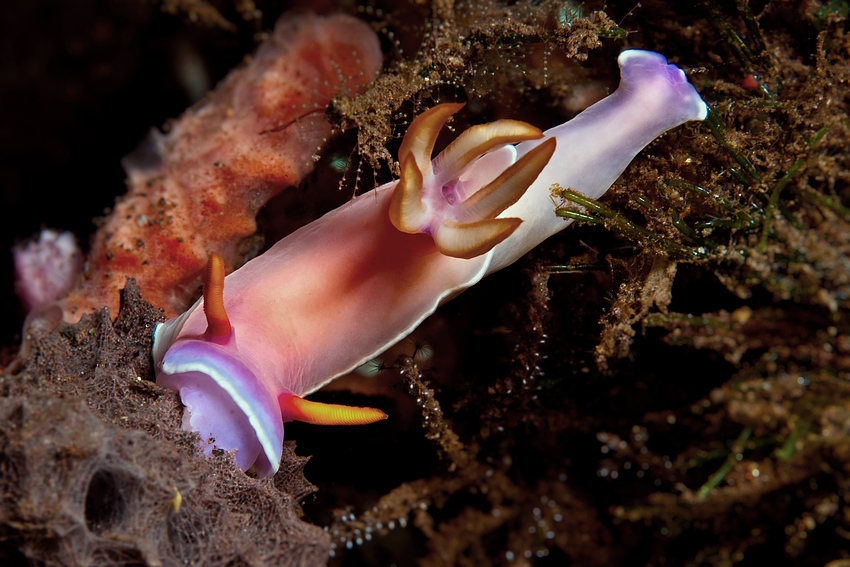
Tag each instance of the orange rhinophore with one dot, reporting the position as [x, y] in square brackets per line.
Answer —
[218, 325]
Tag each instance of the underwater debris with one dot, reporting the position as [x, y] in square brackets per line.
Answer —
[198, 11]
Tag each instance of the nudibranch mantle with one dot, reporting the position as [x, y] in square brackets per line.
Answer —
[341, 290]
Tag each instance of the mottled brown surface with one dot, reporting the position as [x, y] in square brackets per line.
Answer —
[95, 470]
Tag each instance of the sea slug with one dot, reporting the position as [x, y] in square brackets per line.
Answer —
[339, 291]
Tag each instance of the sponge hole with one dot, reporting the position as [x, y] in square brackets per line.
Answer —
[105, 503]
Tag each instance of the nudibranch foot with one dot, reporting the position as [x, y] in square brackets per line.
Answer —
[453, 199]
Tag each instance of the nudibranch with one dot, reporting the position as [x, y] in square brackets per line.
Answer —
[339, 291]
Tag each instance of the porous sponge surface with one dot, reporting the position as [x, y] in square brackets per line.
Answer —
[95, 469]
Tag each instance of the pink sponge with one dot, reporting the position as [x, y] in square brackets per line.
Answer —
[198, 188]
[46, 268]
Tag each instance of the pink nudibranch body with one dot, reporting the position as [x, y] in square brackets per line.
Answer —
[343, 289]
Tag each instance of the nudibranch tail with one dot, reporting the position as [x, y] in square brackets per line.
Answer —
[218, 324]
[648, 76]
[295, 408]
[445, 200]
[595, 147]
